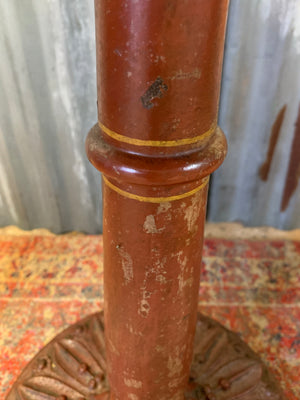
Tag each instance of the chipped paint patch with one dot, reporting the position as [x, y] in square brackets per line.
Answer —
[133, 383]
[112, 347]
[150, 225]
[159, 270]
[182, 282]
[174, 366]
[163, 207]
[179, 75]
[156, 90]
[154, 273]
[127, 265]
[160, 349]
[131, 330]
[192, 213]
[144, 308]
[160, 278]
[132, 396]
[174, 383]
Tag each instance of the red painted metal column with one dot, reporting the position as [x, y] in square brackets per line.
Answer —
[159, 69]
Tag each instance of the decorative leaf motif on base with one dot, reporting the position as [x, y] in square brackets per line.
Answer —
[225, 368]
[73, 367]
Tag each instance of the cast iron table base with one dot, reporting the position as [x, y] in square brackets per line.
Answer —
[73, 367]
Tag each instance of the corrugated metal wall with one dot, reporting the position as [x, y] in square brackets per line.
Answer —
[48, 103]
[261, 76]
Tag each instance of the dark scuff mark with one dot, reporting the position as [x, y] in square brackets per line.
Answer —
[276, 128]
[155, 91]
[293, 174]
[118, 52]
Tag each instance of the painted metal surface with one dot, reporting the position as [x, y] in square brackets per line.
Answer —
[159, 76]
[48, 103]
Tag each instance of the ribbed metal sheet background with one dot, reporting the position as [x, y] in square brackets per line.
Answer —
[261, 75]
[48, 103]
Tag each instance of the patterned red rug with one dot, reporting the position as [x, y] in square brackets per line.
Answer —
[250, 283]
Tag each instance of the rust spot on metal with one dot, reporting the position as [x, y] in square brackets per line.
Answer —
[293, 173]
[100, 378]
[225, 385]
[276, 128]
[155, 91]
[82, 368]
[92, 384]
[79, 330]
[41, 364]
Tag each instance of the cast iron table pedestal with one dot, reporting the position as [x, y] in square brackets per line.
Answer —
[159, 68]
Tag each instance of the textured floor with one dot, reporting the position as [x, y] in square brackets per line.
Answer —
[250, 284]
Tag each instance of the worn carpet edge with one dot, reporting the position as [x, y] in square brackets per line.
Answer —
[229, 230]
[235, 230]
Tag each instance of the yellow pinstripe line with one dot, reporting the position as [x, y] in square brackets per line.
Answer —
[158, 143]
[154, 199]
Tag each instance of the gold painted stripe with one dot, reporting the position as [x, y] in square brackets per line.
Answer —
[158, 143]
[154, 199]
